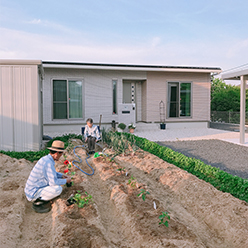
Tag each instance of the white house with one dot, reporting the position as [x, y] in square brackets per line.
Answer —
[69, 93]
[72, 92]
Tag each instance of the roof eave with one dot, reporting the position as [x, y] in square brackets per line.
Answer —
[130, 67]
[234, 75]
[20, 62]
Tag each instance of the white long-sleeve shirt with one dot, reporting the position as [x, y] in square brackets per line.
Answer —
[43, 174]
[92, 131]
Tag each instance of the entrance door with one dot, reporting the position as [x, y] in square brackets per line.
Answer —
[132, 93]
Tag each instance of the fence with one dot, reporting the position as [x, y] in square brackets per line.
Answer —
[227, 117]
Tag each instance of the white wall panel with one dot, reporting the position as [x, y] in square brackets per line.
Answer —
[20, 121]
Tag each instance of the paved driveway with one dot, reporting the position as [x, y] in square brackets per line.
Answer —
[191, 134]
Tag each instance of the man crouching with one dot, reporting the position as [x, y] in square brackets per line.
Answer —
[44, 182]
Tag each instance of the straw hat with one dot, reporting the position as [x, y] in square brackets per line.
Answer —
[57, 146]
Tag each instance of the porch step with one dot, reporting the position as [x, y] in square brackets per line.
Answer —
[141, 126]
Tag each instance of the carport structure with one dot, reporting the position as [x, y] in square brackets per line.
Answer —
[241, 75]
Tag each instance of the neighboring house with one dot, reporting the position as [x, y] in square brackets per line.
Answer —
[69, 93]
[124, 93]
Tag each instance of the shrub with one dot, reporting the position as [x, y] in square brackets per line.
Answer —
[122, 126]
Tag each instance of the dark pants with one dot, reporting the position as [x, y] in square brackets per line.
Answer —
[91, 143]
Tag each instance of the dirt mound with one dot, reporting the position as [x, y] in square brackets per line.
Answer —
[200, 215]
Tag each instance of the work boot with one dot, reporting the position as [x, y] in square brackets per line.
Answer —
[41, 206]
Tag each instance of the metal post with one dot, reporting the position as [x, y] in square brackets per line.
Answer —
[242, 110]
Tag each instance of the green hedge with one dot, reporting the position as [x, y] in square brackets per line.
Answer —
[33, 156]
[221, 180]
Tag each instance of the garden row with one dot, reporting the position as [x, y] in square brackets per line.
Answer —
[221, 180]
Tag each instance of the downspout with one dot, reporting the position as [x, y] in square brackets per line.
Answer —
[41, 77]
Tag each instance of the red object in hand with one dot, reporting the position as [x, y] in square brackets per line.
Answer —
[66, 170]
[66, 162]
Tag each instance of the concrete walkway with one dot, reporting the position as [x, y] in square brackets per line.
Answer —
[191, 134]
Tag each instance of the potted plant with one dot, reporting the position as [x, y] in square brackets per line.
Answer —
[121, 127]
[131, 128]
[162, 125]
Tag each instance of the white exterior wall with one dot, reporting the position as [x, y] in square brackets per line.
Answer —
[20, 108]
[97, 97]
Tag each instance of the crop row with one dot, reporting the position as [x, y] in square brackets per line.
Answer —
[221, 180]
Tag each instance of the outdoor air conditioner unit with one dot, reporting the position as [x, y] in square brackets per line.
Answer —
[126, 113]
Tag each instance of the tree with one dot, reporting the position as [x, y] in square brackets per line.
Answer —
[225, 97]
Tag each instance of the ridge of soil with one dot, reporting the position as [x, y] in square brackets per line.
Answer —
[201, 216]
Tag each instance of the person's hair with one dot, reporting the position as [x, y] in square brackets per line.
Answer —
[53, 152]
[90, 120]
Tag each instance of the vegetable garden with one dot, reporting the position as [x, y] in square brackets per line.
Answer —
[141, 195]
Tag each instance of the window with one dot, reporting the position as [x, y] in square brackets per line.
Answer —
[67, 99]
[114, 83]
[179, 99]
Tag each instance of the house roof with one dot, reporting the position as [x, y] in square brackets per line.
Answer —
[102, 66]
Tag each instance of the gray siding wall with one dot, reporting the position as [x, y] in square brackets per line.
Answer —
[97, 96]
[20, 109]
[157, 90]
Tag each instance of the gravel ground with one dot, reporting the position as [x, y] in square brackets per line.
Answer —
[226, 156]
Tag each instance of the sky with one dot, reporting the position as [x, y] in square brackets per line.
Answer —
[212, 33]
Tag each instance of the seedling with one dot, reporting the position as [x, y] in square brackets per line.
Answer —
[81, 202]
[122, 169]
[162, 217]
[132, 181]
[67, 171]
[143, 194]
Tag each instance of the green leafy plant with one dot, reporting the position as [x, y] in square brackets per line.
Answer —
[122, 126]
[162, 218]
[122, 169]
[82, 201]
[132, 181]
[131, 126]
[119, 143]
[143, 194]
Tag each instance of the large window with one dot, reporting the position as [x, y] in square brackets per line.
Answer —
[179, 99]
[114, 82]
[67, 99]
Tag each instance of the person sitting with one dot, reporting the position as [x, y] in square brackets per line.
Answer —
[44, 182]
[91, 134]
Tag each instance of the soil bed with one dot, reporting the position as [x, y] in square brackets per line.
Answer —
[201, 216]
